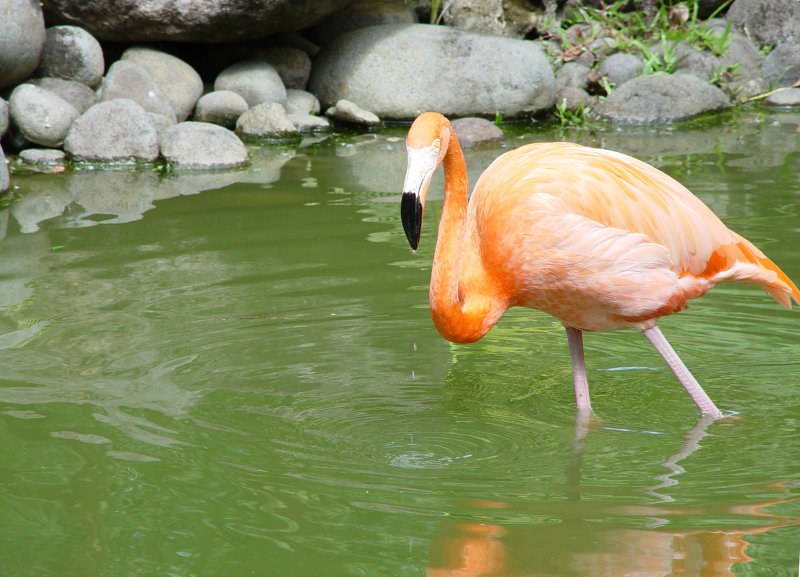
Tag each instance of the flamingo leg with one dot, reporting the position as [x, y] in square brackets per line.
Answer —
[575, 340]
[699, 396]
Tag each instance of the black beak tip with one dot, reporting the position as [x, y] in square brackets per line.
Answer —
[411, 215]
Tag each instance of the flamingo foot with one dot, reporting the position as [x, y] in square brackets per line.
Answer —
[575, 340]
[685, 378]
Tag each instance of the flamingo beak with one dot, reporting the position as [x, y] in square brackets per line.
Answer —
[411, 215]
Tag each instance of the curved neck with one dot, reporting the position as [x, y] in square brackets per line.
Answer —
[459, 310]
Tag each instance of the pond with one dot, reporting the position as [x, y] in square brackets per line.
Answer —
[236, 374]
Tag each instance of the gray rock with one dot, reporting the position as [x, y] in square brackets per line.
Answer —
[266, 120]
[351, 113]
[781, 67]
[495, 17]
[476, 131]
[572, 74]
[293, 65]
[254, 80]
[48, 158]
[40, 115]
[189, 21]
[301, 102]
[179, 82]
[621, 67]
[573, 98]
[22, 37]
[3, 117]
[741, 63]
[116, 130]
[785, 97]
[79, 95]
[463, 74]
[221, 107]
[659, 98]
[766, 22]
[72, 53]
[309, 122]
[361, 14]
[202, 145]
[4, 178]
[127, 79]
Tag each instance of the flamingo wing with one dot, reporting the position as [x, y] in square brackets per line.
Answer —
[618, 225]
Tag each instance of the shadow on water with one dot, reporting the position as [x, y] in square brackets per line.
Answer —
[236, 373]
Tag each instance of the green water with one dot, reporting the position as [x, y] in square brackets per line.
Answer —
[236, 374]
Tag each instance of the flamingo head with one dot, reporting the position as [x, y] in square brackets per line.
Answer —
[426, 144]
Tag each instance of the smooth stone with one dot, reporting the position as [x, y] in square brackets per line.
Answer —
[116, 130]
[785, 97]
[361, 14]
[660, 98]
[179, 82]
[620, 67]
[351, 113]
[202, 145]
[22, 38]
[572, 74]
[254, 80]
[221, 107]
[401, 70]
[292, 64]
[301, 102]
[267, 120]
[309, 122]
[127, 79]
[781, 67]
[40, 115]
[476, 131]
[79, 95]
[48, 157]
[72, 53]
[5, 179]
[3, 116]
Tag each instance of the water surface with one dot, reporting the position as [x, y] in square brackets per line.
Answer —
[236, 374]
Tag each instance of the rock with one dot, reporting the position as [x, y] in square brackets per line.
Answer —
[266, 120]
[254, 80]
[785, 97]
[79, 95]
[361, 14]
[179, 82]
[658, 98]
[221, 107]
[301, 102]
[476, 131]
[211, 21]
[3, 117]
[741, 63]
[399, 71]
[127, 79]
[202, 145]
[292, 64]
[47, 158]
[115, 130]
[4, 178]
[781, 67]
[350, 113]
[572, 74]
[40, 115]
[72, 53]
[766, 22]
[621, 67]
[574, 98]
[22, 37]
[309, 122]
[512, 18]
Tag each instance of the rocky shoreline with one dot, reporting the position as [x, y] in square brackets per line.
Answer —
[68, 95]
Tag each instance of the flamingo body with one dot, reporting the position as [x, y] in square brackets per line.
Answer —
[595, 238]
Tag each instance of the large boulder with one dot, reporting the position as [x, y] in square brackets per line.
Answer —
[117, 130]
[401, 70]
[72, 53]
[202, 145]
[188, 20]
[767, 22]
[22, 36]
[179, 82]
[659, 98]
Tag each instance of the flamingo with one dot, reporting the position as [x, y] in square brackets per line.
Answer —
[597, 239]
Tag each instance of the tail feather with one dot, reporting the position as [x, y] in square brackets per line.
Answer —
[772, 279]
